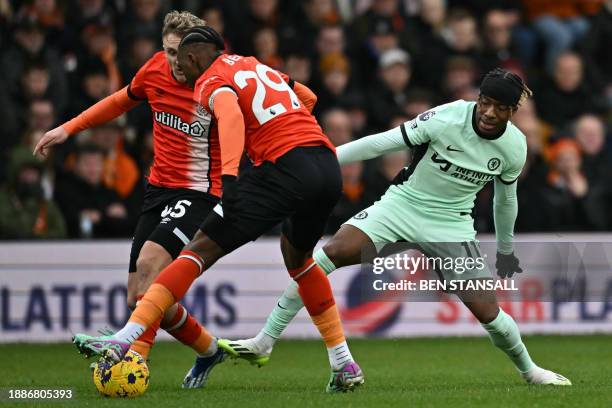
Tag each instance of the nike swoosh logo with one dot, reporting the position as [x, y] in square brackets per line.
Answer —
[450, 148]
[279, 305]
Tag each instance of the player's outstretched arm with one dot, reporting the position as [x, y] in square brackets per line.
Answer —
[373, 146]
[105, 110]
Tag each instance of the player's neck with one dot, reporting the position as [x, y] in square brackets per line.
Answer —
[483, 135]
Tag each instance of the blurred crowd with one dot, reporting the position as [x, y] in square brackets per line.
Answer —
[372, 63]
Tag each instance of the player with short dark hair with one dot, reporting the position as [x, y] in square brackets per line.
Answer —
[184, 182]
[295, 179]
[457, 149]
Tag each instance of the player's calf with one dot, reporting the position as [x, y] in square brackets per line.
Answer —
[505, 335]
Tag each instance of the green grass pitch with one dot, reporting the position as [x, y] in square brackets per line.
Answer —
[443, 372]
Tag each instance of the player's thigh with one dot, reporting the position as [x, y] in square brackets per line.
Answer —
[260, 203]
[385, 221]
[349, 246]
[313, 174]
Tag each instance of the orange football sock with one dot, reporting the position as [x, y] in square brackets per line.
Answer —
[168, 288]
[330, 326]
[152, 306]
[186, 329]
[145, 342]
[316, 293]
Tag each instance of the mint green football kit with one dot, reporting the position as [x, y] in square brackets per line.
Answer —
[432, 201]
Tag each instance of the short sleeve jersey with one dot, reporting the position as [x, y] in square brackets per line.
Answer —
[275, 120]
[185, 143]
[452, 162]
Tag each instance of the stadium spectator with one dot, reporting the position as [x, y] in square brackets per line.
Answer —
[418, 101]
[461, 73]
[569, 202]
[259, 13]
[314, 15]
[590, 134]
[381, 28]
[146, 18]
[41, 115]
[356, 107]
[100, 45]
[559, 24]
[330, 41]
[91, 210]
[214, 18]
[25, 212]
[28, 50]
[596, 47]
[121, 173]
[461, 34]
[336, 124]
[498, 49]
[36, 83]
[139, 51]
[383, 18]
[334, 70]
[429, 46]
[389, 93]
[95, 85]
[535, 170]
[299, 67]
[48, 13]
[57, 57]
[566, 95]
[265, 45]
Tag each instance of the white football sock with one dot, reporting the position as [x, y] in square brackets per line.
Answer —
[339, 355]
[130, 332]
[263, 343]
[212, 349]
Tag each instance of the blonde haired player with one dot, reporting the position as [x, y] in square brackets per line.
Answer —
[183, 186]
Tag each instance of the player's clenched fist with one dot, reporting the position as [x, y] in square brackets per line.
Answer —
[52, 137]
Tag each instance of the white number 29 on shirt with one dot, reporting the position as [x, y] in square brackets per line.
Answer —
[263, 81]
